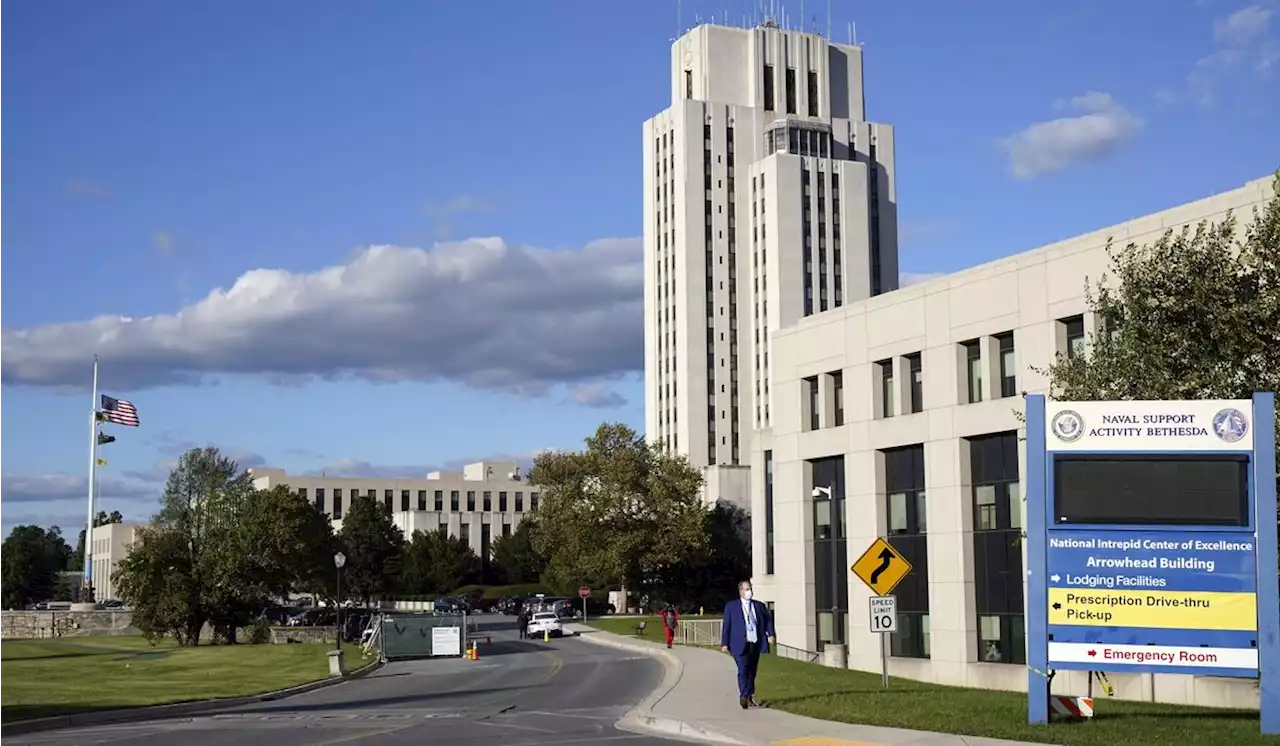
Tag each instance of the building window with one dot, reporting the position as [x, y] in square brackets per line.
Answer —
[837, 395]
[908, 523]
[337, 503]
[997, 547]
[519, 502]
[464, 532]
[471, 500]
[811, 396]
[506, 529]
[533, 502]
[830, 551]
[768, 87]
[791, 90]
[486, 533]
[688, 84]
[1074, 328]
[1008, 365]
[422, 499]
[973, 368]
[502, 502]
[885, 368]
[439, 496]
[488, 501]
[404, 501]
[768, 513]
[453, 500]
[320, 499]
[914, 367]
[302, 492]
[813, 93]
[388, 499]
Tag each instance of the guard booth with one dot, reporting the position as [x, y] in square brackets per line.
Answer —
[404, 636]
[1151, 542]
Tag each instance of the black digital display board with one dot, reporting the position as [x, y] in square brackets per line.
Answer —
[1173, 490]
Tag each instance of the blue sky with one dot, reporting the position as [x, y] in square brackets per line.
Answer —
[157, 152]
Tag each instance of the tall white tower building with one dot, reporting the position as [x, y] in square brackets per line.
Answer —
[768, 197]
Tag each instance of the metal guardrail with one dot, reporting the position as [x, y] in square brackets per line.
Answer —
[702, 632]
[795, 654]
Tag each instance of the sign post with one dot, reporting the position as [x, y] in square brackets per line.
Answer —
[881, 568]
[1151, 542]
[584, 592]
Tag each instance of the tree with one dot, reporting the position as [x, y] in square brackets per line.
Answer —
[293, 542]
[75, 561]
[515, 556]
[1195, 315]
[436, 562]
[709, 576]
[616, 511]
[374, 547]
[30, 559]
[196, 564]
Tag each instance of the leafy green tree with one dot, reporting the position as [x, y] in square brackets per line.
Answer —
[374, 547]
[1194, 315]
[616, 511]
[436, 562]
[291, 542]
[75, 562]
[157, 578]
[30, 559]
[709, 576]
[515, 556]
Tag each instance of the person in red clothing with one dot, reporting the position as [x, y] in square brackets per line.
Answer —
[669, 620]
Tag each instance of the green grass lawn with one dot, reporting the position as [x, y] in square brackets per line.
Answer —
[59, 677]
[856, 697]
[652, 630]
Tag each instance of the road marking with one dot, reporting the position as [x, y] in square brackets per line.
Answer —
[357, 736]
[565, 715]
[513, 725]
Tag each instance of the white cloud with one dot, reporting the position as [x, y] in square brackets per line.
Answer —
[597, 395]
[1241, 39]
[1242, 27]
[479, 312]
[1050, 146]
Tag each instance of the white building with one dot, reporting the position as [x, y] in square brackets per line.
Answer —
[110, 544]
[733, 255]
[485, 500]
[917, 392]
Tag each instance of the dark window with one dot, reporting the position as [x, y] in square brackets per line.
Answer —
[917, 382]
[837, 393]
[439, 496]
[973, 369]
[337, 503]
[791, 90]
[1008, 365]
[388, 499]
[1074, 328]
[485, 535]
[302, 492]
[688, 84]
[886, 387]
[533, 501]
[422, 499]
[453, 500]
[405, 504]
[320, 499]
[768, 87]
[813, 93]
[830, 550]
[471, 500]
[811, 395]
[464, 532]
[1165, 491]
[908, 524]
[997, 547]
[506, 529]
[488, 501]
[502, 502]
[768, 513]
[519, 502]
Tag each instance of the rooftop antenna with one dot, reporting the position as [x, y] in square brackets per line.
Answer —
[678, 3]
[849, 31]
[802, 15]
[828, 20]
[854, 26]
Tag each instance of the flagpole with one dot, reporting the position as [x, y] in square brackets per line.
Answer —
[93, 473]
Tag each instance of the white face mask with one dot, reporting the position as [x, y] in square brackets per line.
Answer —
[747, 594]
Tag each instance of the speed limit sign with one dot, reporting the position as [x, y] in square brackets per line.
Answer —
[884, 613]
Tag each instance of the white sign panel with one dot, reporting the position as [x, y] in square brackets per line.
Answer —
[884, 613]
[1152, 655]
[446, 641]
[1204, 425]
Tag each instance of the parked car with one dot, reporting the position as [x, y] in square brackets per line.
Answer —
[546, 622]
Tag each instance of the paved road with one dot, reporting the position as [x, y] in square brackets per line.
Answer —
[518, 694]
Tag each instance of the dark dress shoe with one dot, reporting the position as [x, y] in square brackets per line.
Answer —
[744, 702]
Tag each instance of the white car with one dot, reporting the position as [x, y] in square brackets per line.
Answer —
[546, 623]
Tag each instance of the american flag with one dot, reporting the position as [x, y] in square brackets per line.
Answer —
[119, 411]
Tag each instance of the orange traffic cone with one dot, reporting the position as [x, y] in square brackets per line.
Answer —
[475, 652]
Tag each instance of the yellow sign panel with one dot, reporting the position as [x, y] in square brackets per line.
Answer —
[1156, 609]
[881, 567]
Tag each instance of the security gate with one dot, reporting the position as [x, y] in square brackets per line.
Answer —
[404, 636]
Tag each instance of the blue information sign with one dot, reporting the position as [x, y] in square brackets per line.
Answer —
[1147, 523]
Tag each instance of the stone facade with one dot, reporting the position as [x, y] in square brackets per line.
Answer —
[30, 625]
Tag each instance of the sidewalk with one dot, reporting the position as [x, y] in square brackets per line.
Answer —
[698, 700]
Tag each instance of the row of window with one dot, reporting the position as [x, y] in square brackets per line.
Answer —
[437, 500]
[790, 89]
[996, 534]
[664, 173]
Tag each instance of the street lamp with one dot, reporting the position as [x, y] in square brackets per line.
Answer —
[339, 560]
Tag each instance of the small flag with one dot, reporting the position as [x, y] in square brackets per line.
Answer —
[104, 439]
[102, 462]
[119, 411]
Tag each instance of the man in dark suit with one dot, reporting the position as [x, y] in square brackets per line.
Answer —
[745, 633]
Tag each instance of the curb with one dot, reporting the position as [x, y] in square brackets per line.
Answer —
[175, 710]
[641, 718]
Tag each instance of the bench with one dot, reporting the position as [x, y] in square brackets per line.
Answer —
[640, 629]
